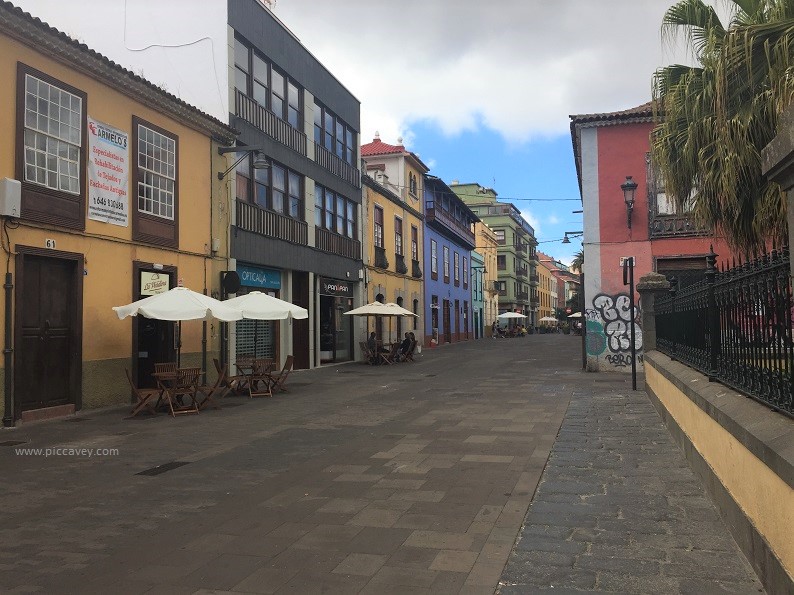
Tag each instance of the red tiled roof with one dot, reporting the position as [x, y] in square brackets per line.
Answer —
[641, 111]
[377, 147]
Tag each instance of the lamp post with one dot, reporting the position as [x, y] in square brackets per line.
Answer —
[260, 161]
[629, 188]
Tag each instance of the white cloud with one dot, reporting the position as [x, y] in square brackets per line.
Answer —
[553, 219]
[517, 67]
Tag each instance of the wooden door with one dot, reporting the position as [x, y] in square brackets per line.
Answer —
[447, 323]
[48, 350]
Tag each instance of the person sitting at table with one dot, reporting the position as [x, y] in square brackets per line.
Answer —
[374, 348]
[404, 347]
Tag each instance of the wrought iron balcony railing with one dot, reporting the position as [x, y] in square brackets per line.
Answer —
[673, 226]
[522, 272]
[400, 264]
[416, 270]
[266, 121]
[381, 261]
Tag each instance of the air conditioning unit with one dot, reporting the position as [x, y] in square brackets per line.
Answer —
[10, 198]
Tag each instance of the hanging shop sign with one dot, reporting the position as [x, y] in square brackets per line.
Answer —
[335, 287]
[258, 277]
[108, 174]
[153, 282]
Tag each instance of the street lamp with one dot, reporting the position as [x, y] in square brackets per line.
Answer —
[572, 234]
[260, 161]
[629, 188]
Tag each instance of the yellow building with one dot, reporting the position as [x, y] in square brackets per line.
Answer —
[393, 249]
[487, 246]
[119, 196]
[547, 292]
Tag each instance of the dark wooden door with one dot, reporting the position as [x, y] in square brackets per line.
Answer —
[447, 323]
[300, 328]
[457, 320]
[46, 333]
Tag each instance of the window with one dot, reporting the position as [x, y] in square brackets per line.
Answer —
[334, 134]
[155, 174]
[334, 212]
[275, 188]
[500, 235]
[51, 143]
[414, 243]
[259, 79]
[446, 264]
[378, 227]
[456, 257]
[501, 263]
[433, 259]
[416, 311]
[465, 272]
[412, 183]
[398, 236]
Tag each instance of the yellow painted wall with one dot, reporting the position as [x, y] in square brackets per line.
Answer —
[108, 249]
[764, 498]
[486, 245]
[390, 279]
[547, 292]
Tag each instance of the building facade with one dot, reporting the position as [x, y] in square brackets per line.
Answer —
[608, 148]
[118, 183]
[516, 255]
[449, 240]
[295, 228]
[547, 292]
[478, 294]
[487, 248]
[393, 260]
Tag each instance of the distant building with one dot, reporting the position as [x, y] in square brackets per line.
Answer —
[478, 294]
[516, 257]
[568, 285]
[487, 247]
[547, 292]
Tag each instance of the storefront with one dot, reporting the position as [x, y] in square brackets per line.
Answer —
[258, 338]
[153, 340]
[336, 329]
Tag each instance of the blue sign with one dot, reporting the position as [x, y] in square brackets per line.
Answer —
[256, 277]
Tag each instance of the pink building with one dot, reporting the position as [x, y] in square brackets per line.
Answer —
[609, 147]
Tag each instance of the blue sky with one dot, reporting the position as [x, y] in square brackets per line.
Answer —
[482, 91]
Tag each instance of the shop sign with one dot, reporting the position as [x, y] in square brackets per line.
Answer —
[256, 277]
[337, 288]
[153, 282]
[108, 173]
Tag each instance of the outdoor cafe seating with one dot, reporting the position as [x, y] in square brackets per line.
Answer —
[176, 385]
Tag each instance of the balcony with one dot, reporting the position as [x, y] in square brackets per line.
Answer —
[336, 166]
[502, 293]
[522, 272]
[335, 244]
[438, 215]
[381, 261]
[269, 223]
[401, 266]
[534, 301]
[534, 279]
[674, 226]
[266, 121]
[522, 296]
[416, 270]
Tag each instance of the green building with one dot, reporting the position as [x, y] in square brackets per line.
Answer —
[516, 252]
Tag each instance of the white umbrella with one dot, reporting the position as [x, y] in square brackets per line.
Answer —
[261, 306]
[548, 319]
[575, 315]
[380, 309]
[507, 315]
[178, 304]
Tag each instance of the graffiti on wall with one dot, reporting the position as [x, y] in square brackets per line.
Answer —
[609, 324]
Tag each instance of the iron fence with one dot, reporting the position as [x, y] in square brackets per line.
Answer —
[736, 327]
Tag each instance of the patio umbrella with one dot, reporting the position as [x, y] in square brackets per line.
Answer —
[548, 319]
[380, 309]
[261, 306]
[509, 315]
[575, 315]
[178, 304]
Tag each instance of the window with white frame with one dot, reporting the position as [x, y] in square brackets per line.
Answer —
[456, 257]
[446, 264]
[434, 259]
[378, 227]
[398, 236]
[156, 172]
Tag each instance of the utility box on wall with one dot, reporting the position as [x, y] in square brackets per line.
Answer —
[10, 197]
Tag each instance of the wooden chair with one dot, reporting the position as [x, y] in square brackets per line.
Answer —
[367, 353]
[243, 365]
[390, 357]
[185, 384]
[280, 379]
[219, 389]
[260, 377]
[165, 368]
[409, 355]
[143, 396]
[229, 382]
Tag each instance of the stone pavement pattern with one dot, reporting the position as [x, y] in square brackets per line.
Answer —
[412, 478]
[618, 510]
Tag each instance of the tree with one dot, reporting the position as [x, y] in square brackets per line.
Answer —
[713, 119]
[578, 260]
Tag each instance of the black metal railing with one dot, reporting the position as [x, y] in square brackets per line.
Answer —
[736, 327]
[400, 265]
[381, 261]
[253, 113]
[673, 226]
[416, 270]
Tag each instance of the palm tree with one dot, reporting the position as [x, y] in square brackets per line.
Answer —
[578, 260]
[714, 118]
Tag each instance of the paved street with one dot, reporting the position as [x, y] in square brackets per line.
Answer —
[414, 478]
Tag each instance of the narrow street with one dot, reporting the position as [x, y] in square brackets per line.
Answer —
[412, 478]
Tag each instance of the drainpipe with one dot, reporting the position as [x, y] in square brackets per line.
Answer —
[8, 350]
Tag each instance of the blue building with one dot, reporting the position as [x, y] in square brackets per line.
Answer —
[448, 241]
